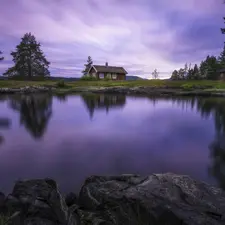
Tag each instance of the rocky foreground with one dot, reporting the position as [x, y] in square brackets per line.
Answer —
[167, 199]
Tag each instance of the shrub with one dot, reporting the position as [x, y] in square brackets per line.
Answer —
[88, 78]
[187, 86]
[61, 84]
[107, 79]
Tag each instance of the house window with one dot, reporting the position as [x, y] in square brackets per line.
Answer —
[114, 76]
[109, 75]
[101, 75]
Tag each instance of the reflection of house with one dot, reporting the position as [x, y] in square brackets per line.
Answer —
[222, 74]
[100, 102]
[110, 72]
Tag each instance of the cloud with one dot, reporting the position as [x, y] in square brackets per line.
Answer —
[139, 35]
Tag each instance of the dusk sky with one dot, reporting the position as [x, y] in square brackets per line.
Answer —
[139, 35]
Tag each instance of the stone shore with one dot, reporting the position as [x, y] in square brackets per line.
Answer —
[148, 91]
[167, 199]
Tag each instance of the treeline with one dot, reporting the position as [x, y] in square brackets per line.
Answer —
[208, 68]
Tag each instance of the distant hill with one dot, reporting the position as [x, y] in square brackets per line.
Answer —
[134, 78]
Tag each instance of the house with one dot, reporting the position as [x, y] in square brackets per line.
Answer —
[222, 74]
[111, 72]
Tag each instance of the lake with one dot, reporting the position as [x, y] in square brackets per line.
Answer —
[69, 138]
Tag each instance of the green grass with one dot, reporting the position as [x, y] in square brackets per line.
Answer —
[187, 85]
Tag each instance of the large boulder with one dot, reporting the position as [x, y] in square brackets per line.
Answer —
[38, 202]
[156, 199]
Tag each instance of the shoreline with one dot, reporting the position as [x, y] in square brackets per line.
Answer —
[142, 90]
[166, 199]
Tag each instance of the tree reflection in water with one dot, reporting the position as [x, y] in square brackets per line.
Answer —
[35, 112]
[5, 123]
[102, 102]
[214, 107]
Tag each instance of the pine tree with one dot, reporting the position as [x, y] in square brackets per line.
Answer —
[221, 58]
[29, 59]
[1, 58]
[196, 72]
[223, 29]
[181, 73]
[203, 70]
[87, 66]
[211, 66]
[175, 75]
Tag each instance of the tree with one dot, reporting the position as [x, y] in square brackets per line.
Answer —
[155, 74]
[221, 58]
[175, 75]
[196, 72]
[223, 29]
[190, 75]
[203, 70]
[88, 65]
[209, 68]
[29, 59]
[181, 74]
[1, 58]
[185, 70]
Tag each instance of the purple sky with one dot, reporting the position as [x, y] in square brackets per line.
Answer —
[140, 35]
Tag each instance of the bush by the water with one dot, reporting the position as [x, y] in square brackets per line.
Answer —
[61, 84]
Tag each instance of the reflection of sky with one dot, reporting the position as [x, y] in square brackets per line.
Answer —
[137, 138]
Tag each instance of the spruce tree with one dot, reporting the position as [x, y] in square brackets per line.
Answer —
[196, 72]
[221, 58]
[223, 29]
[181, 73]
[175, 75]
[203, 70]
[211, 66]
[87, 66]
[28, 58]
[1, 58]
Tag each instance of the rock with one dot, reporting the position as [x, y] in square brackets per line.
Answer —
[39, 202]
[2, 201]
[26, 89]
[71, 199]
[156, 199]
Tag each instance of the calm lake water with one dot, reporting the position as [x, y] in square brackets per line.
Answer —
[69, 138]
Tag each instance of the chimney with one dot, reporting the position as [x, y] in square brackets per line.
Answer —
[106, 64]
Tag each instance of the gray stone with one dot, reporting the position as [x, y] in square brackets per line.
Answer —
[71, 199]
[39, 202]
[156, 199]
[2, 201]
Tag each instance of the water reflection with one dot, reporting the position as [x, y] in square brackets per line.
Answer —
[214, 107]
[4, 124]
[61, 97]
[94, 102]
[35, 112]
[152, 135]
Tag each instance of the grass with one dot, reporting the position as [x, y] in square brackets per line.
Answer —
[185, 85]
